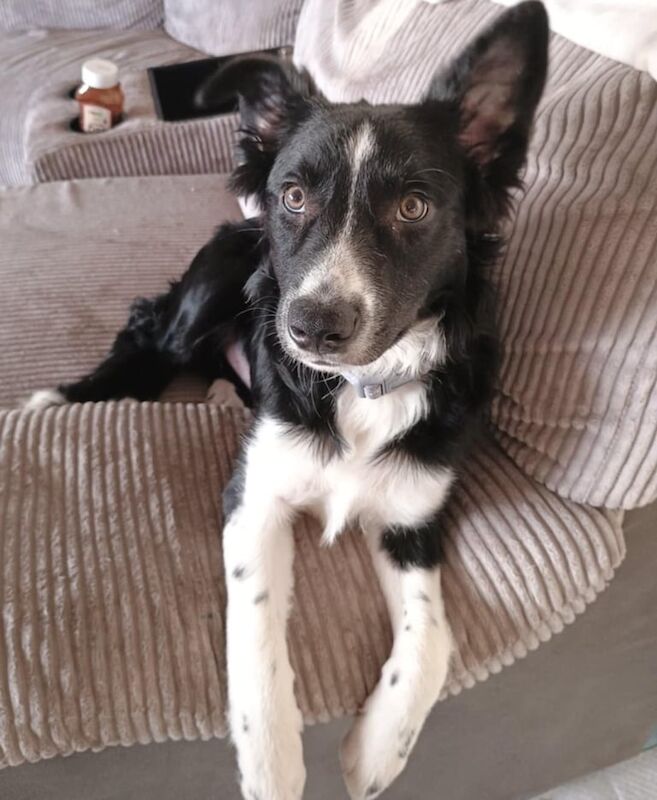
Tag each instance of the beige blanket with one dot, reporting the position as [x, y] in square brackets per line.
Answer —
[112, 592]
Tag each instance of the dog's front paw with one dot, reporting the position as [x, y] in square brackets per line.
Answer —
[376, 749]
[266, 729]
[271, 762]
[44, 398]
[373, 754]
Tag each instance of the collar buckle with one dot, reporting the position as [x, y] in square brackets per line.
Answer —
[372, 391]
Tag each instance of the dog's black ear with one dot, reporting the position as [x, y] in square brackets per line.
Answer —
[496, 85]
[272, 98]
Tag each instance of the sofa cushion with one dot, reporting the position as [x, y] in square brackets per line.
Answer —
[232, 26]
[25, 14]
[576, 402]
[112, 592]
[39, 68]
[140, 144]
[75, 254]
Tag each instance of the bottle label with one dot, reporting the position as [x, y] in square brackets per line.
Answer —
[95, 118]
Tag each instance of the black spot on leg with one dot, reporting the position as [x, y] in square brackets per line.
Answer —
[245, 725]
[394, 678]
[406, 745]
[260, 597]
[239, 572]
[424, 597]
[372, 790]
[407, 628]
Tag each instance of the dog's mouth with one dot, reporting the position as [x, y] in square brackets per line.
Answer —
[333, 363]
[322, 363]
[319, 363]
[357, 359]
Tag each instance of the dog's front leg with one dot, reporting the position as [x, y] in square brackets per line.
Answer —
[377, 747]
[265, 720]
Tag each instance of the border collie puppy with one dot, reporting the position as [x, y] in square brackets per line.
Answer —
[358, 296]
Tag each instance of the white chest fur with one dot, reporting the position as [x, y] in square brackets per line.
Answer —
[357, 484]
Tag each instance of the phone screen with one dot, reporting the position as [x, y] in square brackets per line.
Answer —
[174, 86]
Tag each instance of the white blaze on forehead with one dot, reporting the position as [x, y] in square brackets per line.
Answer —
[360, 148]
[338, 271]
[338, 267]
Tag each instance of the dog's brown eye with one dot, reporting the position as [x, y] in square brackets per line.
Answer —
[294, 199]
[412, 208]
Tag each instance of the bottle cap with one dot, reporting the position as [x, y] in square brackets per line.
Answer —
[100, 73]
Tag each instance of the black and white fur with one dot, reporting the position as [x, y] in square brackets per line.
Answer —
[342, 284]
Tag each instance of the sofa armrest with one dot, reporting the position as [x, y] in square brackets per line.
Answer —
[139, 145]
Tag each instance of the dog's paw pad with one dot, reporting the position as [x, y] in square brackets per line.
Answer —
[268, 787]
[371, 760]
[271, 767]
[45, 398]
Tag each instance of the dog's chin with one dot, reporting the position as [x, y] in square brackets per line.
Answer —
[334, 364]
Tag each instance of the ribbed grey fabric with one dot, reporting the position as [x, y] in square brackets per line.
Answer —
[47, 63]
[576, 404]
[18, 15]
[75, 254]
[232, 26]
[383, 51]
[112, 592]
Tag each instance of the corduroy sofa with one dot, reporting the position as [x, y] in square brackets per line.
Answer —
[111, 590]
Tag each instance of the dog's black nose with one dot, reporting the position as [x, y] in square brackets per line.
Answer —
[322, 328]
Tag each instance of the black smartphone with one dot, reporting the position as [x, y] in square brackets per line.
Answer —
[174, 86]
